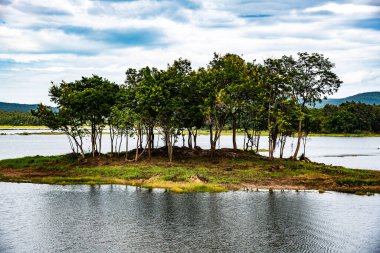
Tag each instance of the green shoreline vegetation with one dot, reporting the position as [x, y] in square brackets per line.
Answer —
[191, 171]
[200, 132]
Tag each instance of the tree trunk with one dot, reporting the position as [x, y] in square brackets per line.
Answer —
[151, 137]
[141, 137]
[189, 139]
[270, 152]
[149, 144]
[212, 144]
[234, 132]
[112, 135]
[120, 142]
[304, 144]
[170, 145]
[195, 134]
[282, 145]
[183, 138]
[170, 149]
[166, 139]
[93, 139]
[79, 145]
[138, 136]
[244, 147]
[257, 142]
[72, 145]
[298, 141]
[100, 141]
[126, 146]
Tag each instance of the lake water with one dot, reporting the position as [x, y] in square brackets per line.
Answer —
[352, 152]
[50, 218]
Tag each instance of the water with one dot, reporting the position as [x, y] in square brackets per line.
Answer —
[50, 218]
[352, 152]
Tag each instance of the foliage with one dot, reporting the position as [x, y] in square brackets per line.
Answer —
[349, 117]
[18, 119]
[229, 92]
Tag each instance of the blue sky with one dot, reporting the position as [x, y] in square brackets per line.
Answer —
[43, 41]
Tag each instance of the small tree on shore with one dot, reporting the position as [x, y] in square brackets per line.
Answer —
[311, 79]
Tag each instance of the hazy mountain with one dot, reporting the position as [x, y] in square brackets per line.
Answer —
[366, 98]
[10, 107]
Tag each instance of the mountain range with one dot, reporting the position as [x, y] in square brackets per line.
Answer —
[15, 107]
[366, 98]
[370, 98]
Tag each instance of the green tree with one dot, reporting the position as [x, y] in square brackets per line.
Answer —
[67, 120]
[143, 98]
[275, 82]
[311, 80]
[172, 82]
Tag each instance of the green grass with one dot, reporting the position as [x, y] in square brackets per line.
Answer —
[40, 162]
[22, 127]
[200, 174]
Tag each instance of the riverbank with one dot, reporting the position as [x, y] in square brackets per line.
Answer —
[200, 132]
[191, 171]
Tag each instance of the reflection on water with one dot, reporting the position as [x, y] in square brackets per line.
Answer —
[352, 152]
[46, 218]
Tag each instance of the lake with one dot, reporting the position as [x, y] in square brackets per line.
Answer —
[109, 218]
[352, 152]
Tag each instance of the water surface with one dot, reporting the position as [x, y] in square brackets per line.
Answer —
[48, 218]
[352, 152]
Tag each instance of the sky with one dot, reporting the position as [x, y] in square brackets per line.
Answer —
[44, 41]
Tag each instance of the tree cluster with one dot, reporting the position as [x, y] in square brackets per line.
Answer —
[178, 101]
[349, 117]
[18, 119]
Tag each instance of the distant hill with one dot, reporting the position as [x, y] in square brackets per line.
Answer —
[14, 107]
[366, 98]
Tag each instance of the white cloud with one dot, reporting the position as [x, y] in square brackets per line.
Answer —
[346, 9]
[37, 49]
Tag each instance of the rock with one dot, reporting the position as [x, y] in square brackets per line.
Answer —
[197, 178]
[274, 168]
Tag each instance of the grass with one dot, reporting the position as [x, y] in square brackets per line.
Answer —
[191, 171]
[5, 127]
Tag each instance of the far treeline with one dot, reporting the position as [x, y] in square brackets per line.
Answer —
[178, 101]
[18, 119]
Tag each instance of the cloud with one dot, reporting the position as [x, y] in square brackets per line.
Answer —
[146, 37]
[369, 23]
[345, 9]
[41, 10]
[54, 40]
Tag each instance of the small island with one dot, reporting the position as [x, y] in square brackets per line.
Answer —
[192, 170]
[161, 109]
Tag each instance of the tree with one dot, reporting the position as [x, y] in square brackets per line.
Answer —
[311, 80]
[275, 82]
[222, 84]
[252, 116]
[230, 73]
[67, 120]
[85, 101]
[143, 99]
[311, 123]
[189, 110]
[171, 84]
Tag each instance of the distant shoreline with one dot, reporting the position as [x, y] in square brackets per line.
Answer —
[200, 132]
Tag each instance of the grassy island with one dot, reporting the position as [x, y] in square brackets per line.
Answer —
[191, 171]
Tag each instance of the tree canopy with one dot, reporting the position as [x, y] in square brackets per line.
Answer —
[229, 93]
